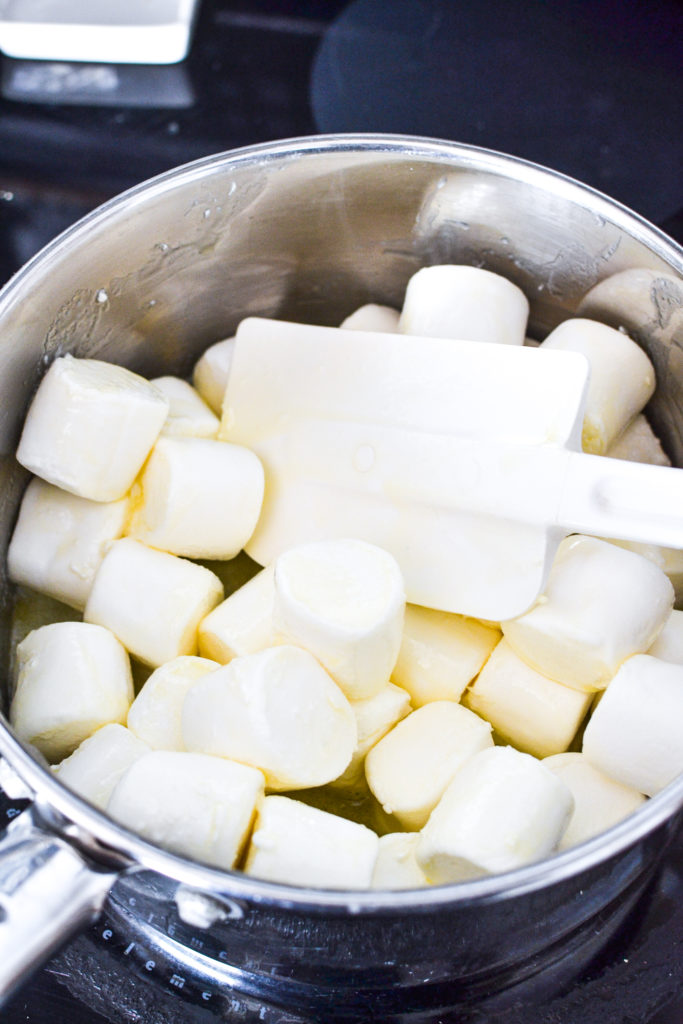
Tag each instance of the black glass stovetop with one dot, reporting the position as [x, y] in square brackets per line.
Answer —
[591, 88]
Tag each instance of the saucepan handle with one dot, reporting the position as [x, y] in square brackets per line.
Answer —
[48, 892]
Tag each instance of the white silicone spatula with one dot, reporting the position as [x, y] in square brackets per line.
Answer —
[462, 459]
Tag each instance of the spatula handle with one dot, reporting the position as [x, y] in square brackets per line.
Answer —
[546, 487]
[624, 500]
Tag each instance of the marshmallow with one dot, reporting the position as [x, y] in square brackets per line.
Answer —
[243, 623]
[72, 679]
[502, 810]
[528, 710]
[599, 802]
[301, 845]
[622, 378]
[188, 413]
[635, 734]
[60, 540]
[409, 769]
[211, 372]
[90, 427]
[98, 763]
[396, 866]
[192, 804]
[440, 654]
[277, 710]
[639, 443]
[375, 716]
[152, 601]
[669, 560]
[342, 600]
[601, 605]
[465, 303]
[372, 318]
[32, 610]
[197, 497]
[639, 300]
[155, 714]
[669, 644]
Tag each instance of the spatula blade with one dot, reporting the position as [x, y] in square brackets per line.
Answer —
[291, 385]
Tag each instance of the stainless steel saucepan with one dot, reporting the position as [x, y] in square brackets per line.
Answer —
[309, 229]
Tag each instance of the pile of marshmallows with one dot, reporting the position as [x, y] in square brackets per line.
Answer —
[316, 672]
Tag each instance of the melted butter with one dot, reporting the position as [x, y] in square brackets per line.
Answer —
[359, 806]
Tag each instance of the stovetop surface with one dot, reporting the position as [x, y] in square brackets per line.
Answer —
[591, 88]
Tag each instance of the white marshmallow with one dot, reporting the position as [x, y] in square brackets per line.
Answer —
[396, 866]
[639, 299]
[528, 710]
[155, 714]
[635, 734]
[301, 845]
[622, 378]
[342, 600]
[440, 654]
[669, 644]
[152, 601]
[599, 802]
[638, 443]
[375, 716]
[466, 303]
[73, 678]
[277, 710]
[211, 372]
[30, 611]
[60, 540]
[372, 317]
[502, 810]
[188, 413]
[90, 427]
[409, 769]
[669, 560]
[243, 623]
[601, 605]
[197, 497]
[98, 763]
[192, 804]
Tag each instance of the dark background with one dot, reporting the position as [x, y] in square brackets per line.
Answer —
[588, 87]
